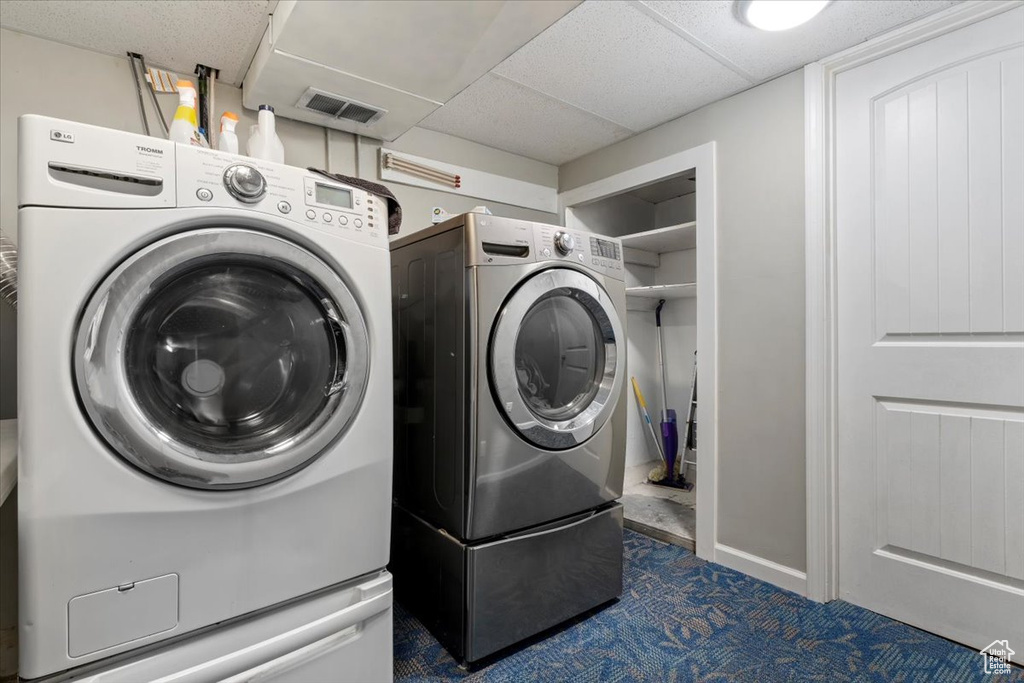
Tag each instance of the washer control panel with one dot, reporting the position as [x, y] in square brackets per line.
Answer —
[245, 183]
[207, 177]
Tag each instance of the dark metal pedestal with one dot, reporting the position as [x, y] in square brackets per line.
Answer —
[479, 598]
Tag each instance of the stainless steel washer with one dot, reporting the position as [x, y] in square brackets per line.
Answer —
[510, 426]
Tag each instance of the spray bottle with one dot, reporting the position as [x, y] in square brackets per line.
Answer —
[227, 141]
[184, 128]
[265, 144]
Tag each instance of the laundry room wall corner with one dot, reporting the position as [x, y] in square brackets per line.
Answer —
[110, 101]
[418, 202]
[760, 481]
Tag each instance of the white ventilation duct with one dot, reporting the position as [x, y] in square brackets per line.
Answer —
[379, 68]
[337, 107]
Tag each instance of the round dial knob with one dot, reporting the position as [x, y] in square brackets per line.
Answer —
[245, 183]
[564, 242]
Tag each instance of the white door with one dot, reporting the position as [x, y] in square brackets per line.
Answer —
[930, 220]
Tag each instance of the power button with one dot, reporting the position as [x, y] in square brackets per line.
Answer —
[204, 194]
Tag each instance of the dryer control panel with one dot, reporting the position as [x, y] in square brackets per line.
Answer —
[603, 254]
[211, 178]
[506, 241]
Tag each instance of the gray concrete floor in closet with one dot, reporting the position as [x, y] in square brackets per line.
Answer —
[667, 514]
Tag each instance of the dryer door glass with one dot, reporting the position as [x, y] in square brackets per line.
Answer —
[556, 351]
[222, 358]
[559, 357]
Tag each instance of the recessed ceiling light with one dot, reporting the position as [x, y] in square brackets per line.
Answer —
[778, 15]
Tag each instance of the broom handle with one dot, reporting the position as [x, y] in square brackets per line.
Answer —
[661, 358]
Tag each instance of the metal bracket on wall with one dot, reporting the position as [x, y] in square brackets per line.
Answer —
[137, 63]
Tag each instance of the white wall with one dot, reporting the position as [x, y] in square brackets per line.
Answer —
[676, 210]
[417, 202]
[615, 216]
[760, 218]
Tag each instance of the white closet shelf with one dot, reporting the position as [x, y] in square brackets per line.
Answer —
[661, 240]
[681, 291]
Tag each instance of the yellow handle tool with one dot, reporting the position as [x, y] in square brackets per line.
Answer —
[647, 416]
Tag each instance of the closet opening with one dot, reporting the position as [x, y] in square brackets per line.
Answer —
[664, 214]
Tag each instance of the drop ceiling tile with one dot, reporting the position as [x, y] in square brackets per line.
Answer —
[764, 54]
[611, 59]
[174, 34]
[433, 49]
[500, 113]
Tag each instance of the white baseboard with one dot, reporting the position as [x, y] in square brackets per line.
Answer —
[760, 568]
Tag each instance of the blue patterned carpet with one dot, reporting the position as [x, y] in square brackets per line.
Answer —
[683, 619]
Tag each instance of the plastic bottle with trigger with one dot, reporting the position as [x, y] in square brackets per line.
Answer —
[227, 141]
[184, 128]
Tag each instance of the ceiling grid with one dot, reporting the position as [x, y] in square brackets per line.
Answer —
[641, 63]
[604, 72]
[646, 9]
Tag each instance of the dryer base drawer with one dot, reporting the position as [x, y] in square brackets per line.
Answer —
[478, 599]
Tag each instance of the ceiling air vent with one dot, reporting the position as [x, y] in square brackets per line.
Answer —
[338, 107]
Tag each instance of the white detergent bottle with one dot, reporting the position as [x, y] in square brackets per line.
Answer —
[253, 142]
[227, 141]
[184, 128]
[265, 144]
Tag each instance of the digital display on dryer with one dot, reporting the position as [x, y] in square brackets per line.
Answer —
[333, 196]
[604, 248]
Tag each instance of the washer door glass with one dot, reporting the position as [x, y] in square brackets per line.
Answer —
[232, 355]
[221, 358]
[555, 354]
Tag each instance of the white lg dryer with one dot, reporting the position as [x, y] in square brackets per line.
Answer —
[205, 401]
